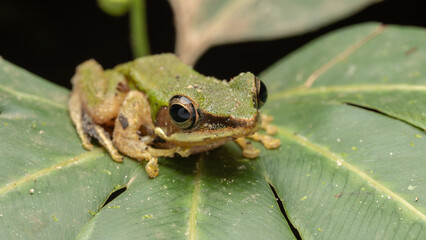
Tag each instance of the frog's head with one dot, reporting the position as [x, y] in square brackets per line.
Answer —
[209, 111]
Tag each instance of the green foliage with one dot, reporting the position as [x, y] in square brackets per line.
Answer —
[349, 107]
[350, 164]
[351, 114]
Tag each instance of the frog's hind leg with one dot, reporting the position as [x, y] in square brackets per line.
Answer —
[100, 92]
[105, 140]
[74, 106]
[95, 101]
[86, 128]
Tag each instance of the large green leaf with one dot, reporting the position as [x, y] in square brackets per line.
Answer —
[50, 186]
[351, 163]
[201, 24]
[351, 110]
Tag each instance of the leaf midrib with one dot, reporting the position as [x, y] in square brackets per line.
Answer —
[338, 160]
[192, 221]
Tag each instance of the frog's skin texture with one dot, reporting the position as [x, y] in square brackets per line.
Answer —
[157, 106]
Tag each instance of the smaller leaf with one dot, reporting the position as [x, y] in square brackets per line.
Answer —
[201, 24]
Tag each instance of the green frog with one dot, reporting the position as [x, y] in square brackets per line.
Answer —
[156, 106]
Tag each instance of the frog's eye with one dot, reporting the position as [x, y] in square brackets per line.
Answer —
[182, 112]
[261, 93]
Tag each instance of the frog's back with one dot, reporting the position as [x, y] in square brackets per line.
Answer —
[162, 73]
[163, 76]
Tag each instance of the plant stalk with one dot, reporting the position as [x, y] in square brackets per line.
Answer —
[138, 29]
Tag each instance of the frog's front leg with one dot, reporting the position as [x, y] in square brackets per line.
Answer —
[267, 140]
[134, 132]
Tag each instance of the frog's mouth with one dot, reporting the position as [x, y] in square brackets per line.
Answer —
[211, 130]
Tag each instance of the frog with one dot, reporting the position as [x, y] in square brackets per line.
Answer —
[157, 106]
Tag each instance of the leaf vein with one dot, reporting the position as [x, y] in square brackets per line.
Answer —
[82, 157]
[314, 76]
[22, 95]
[297, 92]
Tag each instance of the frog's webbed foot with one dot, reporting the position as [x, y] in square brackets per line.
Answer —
[267, 140]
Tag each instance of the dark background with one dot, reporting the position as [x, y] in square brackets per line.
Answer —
[49, 38]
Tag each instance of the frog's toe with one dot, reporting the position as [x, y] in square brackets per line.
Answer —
[267, 141]
[86, 143]
[184, 152]
[270, 129]
[116, 157]
[248, 150]
[152, 168]
[105, 141]
[267, 125]
[270, 142]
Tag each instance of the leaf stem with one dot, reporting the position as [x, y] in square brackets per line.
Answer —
[138, 28]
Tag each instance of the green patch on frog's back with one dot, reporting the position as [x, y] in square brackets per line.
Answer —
[163, 76]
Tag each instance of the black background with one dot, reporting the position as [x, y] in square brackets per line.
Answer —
[49, 38]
